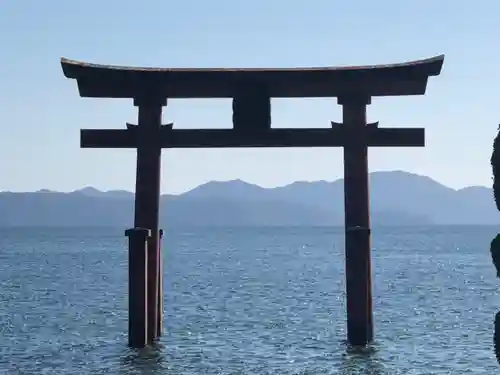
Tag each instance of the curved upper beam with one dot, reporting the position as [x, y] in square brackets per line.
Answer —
[407, 78]
[429, 67]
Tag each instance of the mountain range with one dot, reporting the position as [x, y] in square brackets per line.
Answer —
[397, 198]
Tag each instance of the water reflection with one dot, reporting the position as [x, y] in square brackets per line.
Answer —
[65, 313]
[360, 360]
[148, 361]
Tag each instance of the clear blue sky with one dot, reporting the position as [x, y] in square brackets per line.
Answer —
[41, 112]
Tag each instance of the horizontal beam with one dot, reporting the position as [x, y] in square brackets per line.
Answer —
[229, 138]
[220, 89]
[98, 81]
[107, 138]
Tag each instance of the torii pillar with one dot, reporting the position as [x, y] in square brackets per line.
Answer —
[357, 220]
[147, 197]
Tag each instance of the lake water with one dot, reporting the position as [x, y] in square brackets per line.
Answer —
[248, 301]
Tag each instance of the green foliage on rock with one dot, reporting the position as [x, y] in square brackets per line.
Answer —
[495, 244]
[495, 253]
[495, 165]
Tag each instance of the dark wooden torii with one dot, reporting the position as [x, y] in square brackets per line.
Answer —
[251, 91]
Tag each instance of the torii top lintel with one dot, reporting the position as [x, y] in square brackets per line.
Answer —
[104, 81]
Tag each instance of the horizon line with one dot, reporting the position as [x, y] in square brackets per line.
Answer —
[45, 190]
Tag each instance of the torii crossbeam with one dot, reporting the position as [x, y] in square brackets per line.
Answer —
[251, 91]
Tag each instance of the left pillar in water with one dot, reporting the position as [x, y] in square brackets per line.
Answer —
[137, 286]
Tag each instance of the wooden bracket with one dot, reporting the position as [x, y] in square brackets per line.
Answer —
[164, 126]
[338, 125]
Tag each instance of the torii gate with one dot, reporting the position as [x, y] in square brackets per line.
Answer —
[251, 91]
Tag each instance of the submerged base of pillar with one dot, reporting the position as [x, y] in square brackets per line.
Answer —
[358, 286]
[358, 337]
[159, 326]
[138, 286]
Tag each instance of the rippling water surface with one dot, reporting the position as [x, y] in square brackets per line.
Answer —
[248, 301]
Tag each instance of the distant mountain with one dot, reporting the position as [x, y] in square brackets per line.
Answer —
[397, 198]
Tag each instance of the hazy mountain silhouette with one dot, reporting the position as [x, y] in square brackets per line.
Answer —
[397, 198]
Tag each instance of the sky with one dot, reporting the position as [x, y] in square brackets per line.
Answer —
[41, 112]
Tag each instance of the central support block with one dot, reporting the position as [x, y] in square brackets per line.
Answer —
[252, 107]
